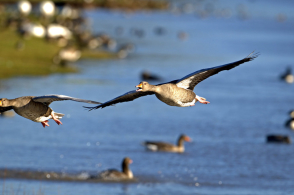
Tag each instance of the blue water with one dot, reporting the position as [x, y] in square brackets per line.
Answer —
[228, 154]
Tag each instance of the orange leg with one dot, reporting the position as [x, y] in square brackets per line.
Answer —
[56, 120]
[45, 123]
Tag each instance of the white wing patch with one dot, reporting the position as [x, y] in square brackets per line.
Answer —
[152, 147]
[185, 82]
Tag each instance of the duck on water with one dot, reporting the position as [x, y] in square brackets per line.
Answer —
[167, 147]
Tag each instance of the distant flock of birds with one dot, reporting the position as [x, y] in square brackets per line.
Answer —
[287, 77]
[70, 31]
[174, 93]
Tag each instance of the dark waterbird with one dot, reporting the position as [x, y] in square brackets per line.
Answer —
[115, 175]
[146, 75]
[36, 108]
[278, 139]
[287, 76]
[167, 147]
[177, 92]
[290, 122]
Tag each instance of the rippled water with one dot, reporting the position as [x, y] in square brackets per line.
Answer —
[228, 154]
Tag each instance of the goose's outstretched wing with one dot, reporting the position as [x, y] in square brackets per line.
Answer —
[4, 109]
[191, 80]
[129, 96]
[48, 99]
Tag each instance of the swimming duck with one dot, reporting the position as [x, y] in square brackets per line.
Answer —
[167, 147]
[36, 108]
[113, 174]
[290, 122]
[278, 139]
[178, 92]
[287, 76]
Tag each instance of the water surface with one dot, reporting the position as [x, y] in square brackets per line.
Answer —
[228, 154]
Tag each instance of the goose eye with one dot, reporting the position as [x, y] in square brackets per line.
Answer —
[144, 83]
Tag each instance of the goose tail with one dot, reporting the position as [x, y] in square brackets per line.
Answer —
[58, 115]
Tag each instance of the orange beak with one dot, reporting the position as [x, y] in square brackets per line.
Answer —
[0, 102]
[187, 139]
[139, 87]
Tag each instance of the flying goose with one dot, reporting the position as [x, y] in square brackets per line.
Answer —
[113, 174]
[167, 147]
[177, 92]
[36, 108]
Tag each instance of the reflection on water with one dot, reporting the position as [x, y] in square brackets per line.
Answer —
[229, 154]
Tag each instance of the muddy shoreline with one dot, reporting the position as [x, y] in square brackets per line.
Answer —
[55, 176]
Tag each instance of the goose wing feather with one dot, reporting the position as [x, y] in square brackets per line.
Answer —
[129, 96]
[4, 109]
[159, 145]
[48, 99]
[191, 80]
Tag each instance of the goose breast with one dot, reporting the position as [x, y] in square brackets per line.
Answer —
[174, 95]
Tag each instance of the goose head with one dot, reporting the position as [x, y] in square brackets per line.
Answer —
[4, 102]
[144, 86]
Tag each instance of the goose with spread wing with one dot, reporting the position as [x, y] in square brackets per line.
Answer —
[36, 108]
[178, 92]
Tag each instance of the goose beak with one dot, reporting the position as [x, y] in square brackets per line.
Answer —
[0, 102]
[188, 139]
[139, 87]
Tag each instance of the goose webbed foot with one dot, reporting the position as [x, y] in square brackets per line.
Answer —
[45, 123]
[202, 100]
[56, 120]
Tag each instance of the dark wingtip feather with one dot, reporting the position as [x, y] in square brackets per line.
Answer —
[91, 108]
[94, 102]
[252, 55]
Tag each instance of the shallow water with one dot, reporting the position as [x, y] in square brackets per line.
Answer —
[228, 154]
